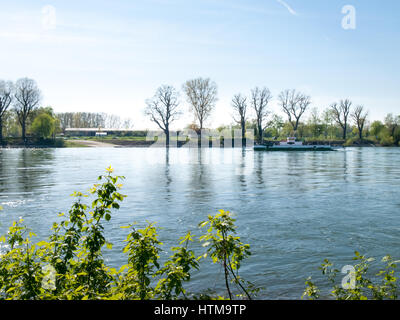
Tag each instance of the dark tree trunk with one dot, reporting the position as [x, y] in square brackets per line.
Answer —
[1, 131]
[260, 135]
[199, 135]
[243, 134]
[345, 132]
[167, 138]
[23, 131]
[295, 127]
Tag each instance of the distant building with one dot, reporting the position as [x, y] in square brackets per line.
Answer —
[91, 132]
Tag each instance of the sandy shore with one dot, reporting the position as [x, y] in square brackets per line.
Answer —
[94, 144]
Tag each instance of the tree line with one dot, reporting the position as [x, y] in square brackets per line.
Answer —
[92, 120]
[340, 120]
[24, 96]
[20, 113]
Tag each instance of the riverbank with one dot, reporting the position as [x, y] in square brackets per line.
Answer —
[140, 142]
[89, 144]
[11, 143]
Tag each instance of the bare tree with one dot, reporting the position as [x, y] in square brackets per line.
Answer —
[127, 124]
[6, 92]
[87, 120]
[81, 120]
[66, 120]
[202, 96]
[315, 122]
[360, 118]
[112, 121]
[163, 108]
[239, 105]
[27, 97]
[259, 102]
[276, 124]
[327, 121]
[392, 123]
[294, 104]
[341, 113]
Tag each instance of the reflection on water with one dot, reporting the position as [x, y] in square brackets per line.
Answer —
[201, 182]
[259, 168]
[295, 209]
[243, 170]
[168, 177]
[344, 165]
[25, 171]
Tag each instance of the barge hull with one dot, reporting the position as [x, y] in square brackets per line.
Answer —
[303, 148]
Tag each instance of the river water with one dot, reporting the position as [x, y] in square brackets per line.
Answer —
[294, 208]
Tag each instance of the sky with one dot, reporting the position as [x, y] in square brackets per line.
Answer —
[110, 56]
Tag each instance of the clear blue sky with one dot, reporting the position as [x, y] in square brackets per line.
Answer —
[109, 56]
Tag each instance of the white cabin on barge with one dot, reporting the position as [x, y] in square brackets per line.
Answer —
[290, 142]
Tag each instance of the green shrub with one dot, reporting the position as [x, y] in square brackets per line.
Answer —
[59, 143]
[350, 142]
[43, 126]
[380, 286]
[70, 264]
[387, 141]
[227, 249]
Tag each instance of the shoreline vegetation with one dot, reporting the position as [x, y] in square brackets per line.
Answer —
[140, 142]
[25, 123]
[70, 265]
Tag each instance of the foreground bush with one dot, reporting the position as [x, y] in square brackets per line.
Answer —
[358, 283]
[70, 264]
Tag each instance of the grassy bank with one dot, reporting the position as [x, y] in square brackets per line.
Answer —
[32, 143]
[72, 142]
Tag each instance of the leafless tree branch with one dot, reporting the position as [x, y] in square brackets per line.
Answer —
[163, 108]
[201, 94]
[294, 104]
[341, 113]
[360, 118]
[259, 102]
[6, 97]
[27, 97]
